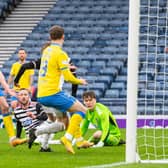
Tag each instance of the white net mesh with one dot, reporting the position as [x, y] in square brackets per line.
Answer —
[152, 136]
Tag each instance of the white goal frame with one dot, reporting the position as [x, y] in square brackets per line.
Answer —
[132, 85]
[132, 80]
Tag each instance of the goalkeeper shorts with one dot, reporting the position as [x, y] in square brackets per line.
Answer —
[112, 140]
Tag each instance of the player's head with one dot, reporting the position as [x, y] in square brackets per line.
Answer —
[89, 99]
[56, 33]
[24, 96]
[22, 54]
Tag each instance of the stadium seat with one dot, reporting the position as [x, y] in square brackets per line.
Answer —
[117, 64]
[123, 71]
[112, 93]
[101, 64]
[151, 94]
[121, 78]
[90, 78]
[123, 94]
[84, 64]
[118, 85]
[155, 85]
[149, 110]
[109, 71]
[164, 110]
[107, 79]
[118, 109]
[97, 86]
[67, 86]
[81, 71]
[95, 39]
[94, 70]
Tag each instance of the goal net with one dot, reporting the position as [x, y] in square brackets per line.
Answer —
[150, 97]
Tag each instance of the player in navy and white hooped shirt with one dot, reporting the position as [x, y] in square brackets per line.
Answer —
[33, 117]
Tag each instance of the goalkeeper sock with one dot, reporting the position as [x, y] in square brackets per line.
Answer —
[7, 120]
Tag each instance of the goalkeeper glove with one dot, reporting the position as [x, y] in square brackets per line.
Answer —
[99, 144]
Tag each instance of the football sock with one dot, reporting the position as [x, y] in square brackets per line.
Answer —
[74, 125]
[7, 120]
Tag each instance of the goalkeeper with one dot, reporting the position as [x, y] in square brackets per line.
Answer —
[108, 132]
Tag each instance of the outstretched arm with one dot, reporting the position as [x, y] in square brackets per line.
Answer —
[3, 81]
[24, 67]
[69, 77]
[5, 85]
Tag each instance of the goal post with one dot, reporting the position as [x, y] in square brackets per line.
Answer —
[132, 80]
[147, 82]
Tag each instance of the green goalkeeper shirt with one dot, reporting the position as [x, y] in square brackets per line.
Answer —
[102, 118]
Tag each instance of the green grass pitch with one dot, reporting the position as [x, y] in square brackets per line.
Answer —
[22, 157]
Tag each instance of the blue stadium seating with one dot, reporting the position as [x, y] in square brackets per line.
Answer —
[118, 85]
[107, 79]
[149, 110]
[118, 109]
[112, 93]
[82, 71]
[98, 86]
[123, 94]
[121, 78]
[100, 64]
[113, 71]
[6, 6]
[95, 39]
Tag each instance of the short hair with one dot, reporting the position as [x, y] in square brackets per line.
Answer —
[25, 89]
[56, 32]
[90, 94]
[21, 49]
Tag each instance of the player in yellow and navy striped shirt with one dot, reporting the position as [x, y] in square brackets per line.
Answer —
[26, 79]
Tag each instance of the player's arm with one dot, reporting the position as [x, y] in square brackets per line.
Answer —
[63, 62]
[11, 76]
[18, 125]
[104, 125]
[104, 118]
[30, 65]
[41, 114]
[84, 126]
[10, 79]
[5, 85]
[3, 81]
[18, 128]
[69, 77]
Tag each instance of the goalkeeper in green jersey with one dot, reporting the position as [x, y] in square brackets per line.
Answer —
[108, 132]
